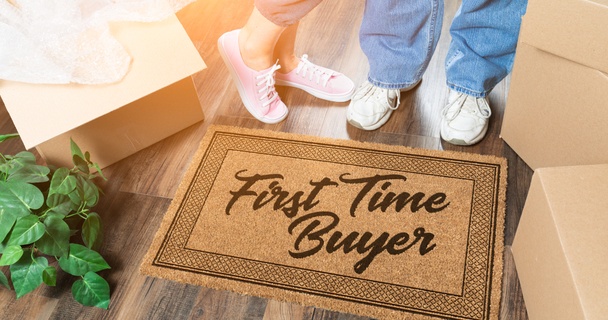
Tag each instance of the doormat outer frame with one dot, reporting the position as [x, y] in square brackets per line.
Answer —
[153, 265]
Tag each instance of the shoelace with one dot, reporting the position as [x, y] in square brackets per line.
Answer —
[307, 67]
[453, 109]
[267, 81]
[378, 93]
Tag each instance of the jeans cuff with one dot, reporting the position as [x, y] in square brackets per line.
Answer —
[386, 85]
[474, 93]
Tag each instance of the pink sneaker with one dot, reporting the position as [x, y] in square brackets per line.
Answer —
[321, 82]
[256, 88]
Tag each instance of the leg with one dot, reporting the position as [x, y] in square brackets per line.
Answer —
[299, 73]
[272, 28]
[484, 37]
[278, 39]
[320, 82]
[257, 41]
[248, 54]
[284, 50]
[399, 38]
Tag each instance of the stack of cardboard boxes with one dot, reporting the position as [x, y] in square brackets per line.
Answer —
[556, 120]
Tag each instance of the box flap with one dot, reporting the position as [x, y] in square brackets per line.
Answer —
[162, 53]
[578, 201]
[573, 29]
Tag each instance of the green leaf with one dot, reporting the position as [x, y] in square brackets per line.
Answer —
[81, 164]
[4, 280]
[18, 162]
[54, 215]
[5, 137]
[30, 174]
[91, 192]
[3, 245]
[82, 260]
[76, 149]
[98, 168]
[77, 195]
[26, 273]
[62, 182]
[49, 276]
[27, 230]
[91, 231]
[7, 220]
[24, 157]
[5, 167]
[92, 290]
[59, 203]
[21, 159]
[11, 255]
[19, 197]
[56, 238]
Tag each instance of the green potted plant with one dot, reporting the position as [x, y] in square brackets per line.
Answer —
[46, 221]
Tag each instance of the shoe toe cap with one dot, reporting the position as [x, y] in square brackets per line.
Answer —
[363, 113]
[277, 112]
[341, 84]
[365, 116]
[463, 132]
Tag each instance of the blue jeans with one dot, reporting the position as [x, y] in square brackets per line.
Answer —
[399, 38]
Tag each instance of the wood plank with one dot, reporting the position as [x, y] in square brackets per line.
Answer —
[277, 310]
[217, 304]
[35, 307]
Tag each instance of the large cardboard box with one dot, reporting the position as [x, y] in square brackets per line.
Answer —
[557, 108]
[573, 29]
[560, 247]
[156, 99]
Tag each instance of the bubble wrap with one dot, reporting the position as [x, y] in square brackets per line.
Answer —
[69, 41]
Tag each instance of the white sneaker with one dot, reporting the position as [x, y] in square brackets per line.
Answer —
[464, 120]
[371, 106]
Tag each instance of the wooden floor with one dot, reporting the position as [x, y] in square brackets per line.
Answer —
[140, 187]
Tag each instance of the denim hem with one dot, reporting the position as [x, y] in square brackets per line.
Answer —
[467, 91]
[386, 85]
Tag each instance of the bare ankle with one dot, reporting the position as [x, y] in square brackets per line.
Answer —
[254, 56]
[288, 63]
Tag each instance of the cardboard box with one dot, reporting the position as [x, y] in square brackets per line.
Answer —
[560, 247]
[156, 99]
[556, 112]
[573, 29]
[557, 109]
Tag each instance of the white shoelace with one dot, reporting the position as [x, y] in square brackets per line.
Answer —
[268, 90]
[305, 67]
[379, 93]
[453, 109]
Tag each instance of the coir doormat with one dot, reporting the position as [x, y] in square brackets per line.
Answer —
[382, 231]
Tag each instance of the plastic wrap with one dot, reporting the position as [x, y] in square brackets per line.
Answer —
[69, 41]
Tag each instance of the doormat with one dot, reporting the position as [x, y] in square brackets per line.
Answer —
[382, 231]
